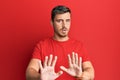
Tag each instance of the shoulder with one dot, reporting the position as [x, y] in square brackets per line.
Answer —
[44, 41]
[76, 42]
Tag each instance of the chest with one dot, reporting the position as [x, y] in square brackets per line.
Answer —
[61, 51]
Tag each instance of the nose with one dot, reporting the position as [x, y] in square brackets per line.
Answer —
[63, 23]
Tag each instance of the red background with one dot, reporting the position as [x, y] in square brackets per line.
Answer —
[24, 22]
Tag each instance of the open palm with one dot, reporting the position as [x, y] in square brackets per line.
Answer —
[75, 65]
[47, 70]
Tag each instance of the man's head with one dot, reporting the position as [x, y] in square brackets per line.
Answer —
[61, 20]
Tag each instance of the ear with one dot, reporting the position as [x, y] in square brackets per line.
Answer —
[51, 22]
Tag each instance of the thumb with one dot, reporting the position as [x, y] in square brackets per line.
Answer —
[59, 73]
[63, 68]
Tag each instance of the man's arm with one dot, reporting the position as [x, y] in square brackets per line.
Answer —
[32, 71]
[47, 71]
[79, 70]
[88, 71]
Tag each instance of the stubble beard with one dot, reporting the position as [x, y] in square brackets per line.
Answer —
[60, 34]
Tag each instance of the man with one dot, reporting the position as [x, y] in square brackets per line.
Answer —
[60, 57]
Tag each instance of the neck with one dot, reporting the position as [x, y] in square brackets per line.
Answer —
[61, 38]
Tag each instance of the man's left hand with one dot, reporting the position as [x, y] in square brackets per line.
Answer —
[75, 65]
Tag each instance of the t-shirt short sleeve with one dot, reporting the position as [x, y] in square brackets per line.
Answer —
[83, 53]
[37, 51]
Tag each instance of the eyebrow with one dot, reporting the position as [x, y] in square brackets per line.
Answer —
[62, 19]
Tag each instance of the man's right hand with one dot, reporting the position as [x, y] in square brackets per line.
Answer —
[47, 71]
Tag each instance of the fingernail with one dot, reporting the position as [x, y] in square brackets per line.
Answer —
[55, 57]
[51, 55]
[61, 66]
[46, 57]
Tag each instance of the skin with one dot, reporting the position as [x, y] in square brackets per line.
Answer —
[77, 69]
[47, 69]
[61, 25]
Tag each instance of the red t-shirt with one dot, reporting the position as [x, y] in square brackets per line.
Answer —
[61, 50]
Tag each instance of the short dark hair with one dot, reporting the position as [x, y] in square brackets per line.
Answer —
[60, 9]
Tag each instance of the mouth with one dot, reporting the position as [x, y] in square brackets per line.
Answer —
[64, 30]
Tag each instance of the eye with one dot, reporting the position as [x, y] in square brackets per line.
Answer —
[59, 20]
[68, 20]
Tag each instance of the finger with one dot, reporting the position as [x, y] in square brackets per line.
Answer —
[54, 61]
[46, 60]
[76, 58]
[59, 73]
[73, 58]
[69, 60]
[50, 60]
[40, 64]
[80, 62]
[64, 69]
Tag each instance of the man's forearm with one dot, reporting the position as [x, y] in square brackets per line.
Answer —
[32, 74]
[87, 74]
[90, 73]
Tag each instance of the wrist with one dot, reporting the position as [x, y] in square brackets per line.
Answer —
[84, 76]
[79, 77]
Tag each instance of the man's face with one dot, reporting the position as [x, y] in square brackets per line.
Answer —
[61, 24]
